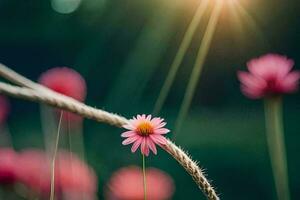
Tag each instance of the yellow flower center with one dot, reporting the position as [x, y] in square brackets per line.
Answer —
[144, 129]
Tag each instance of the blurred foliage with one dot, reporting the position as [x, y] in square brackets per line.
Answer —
[124, 50]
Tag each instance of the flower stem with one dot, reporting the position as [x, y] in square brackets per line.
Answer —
[276, 144]
[52, 186]
[144, 178]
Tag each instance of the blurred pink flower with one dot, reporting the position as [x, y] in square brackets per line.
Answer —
[65, 81]
[8, 162]
[4, 109]
[34, 171]
[127, 184]
[68, 82]
[79, 196]
[145, 132]
[269, 75]
[75, 178]
[72, 176]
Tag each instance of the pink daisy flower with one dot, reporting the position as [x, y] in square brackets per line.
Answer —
[145, 132]
[269, 75]
[127, 184]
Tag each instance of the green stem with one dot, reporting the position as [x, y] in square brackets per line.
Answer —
[276, 144]
[52, 186]
[144, 178]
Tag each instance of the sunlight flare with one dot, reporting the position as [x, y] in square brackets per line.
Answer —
[186, 42]
[197, 69]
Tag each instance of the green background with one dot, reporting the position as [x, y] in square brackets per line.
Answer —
[124, 48]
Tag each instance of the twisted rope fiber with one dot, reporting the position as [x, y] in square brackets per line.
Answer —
[72, 106]
[37, 93]
[192, 168]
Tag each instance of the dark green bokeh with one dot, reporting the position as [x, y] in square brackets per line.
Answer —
[124, 49]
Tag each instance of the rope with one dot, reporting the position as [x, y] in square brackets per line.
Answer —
[37, 93]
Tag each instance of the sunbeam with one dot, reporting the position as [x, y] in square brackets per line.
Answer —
[187, 39]
[202, 53]
[249, 21]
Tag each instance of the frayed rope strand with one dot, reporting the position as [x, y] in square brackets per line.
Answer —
[192, 168]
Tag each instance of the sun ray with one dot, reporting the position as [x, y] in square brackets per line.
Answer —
[249, 21]
[187, 39]
[201, 57]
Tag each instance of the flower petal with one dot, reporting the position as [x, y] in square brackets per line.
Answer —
[130, 140]
[152, 146]
[136, 145]
[251, 81]
[290, 83]
[134, 122]
[160, 125]
[128, 126]
[144, 147]
[156, 121]
[149, 117]
[128, 134]
[161, 131]
[158, 139]
[270, 65]
[252, 93]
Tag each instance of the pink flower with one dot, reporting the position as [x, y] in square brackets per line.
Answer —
[269, 75]
[72, 176]
[78, 196]
[4, 109]
[8, 162]
[127, 184]
[145, 132]
[65, 81]
[75, 177]
[68, 82]
[33, 170]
